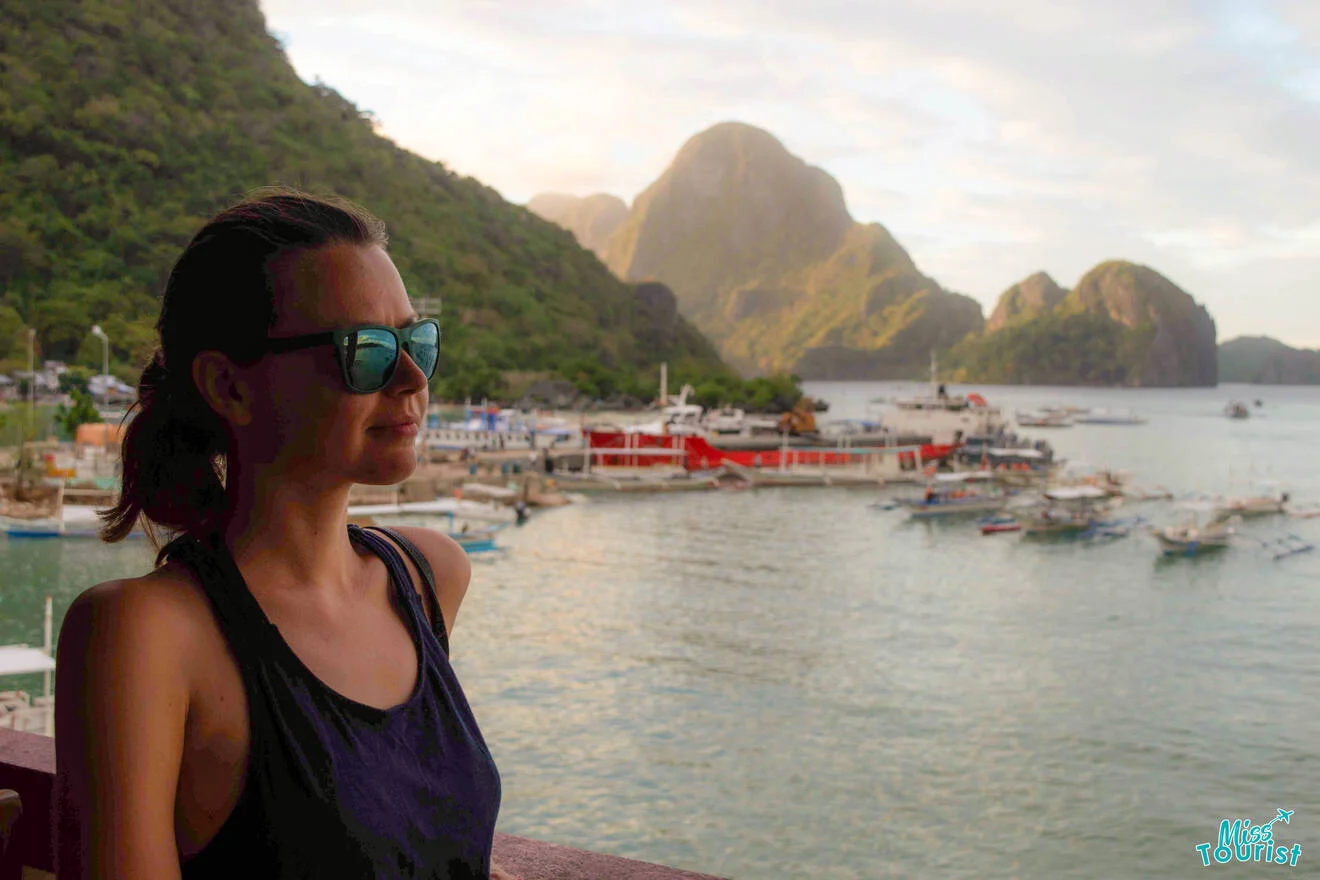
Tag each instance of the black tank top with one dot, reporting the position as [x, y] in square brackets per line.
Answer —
[336, 788]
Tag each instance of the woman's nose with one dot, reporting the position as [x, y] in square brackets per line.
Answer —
[408, 377]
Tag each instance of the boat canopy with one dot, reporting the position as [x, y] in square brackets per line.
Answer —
[20, 660]
[965, 476]
[1015, 453]
[1075, 493]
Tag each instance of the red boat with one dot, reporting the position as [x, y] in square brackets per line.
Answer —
[694, 453]
[1001, 525]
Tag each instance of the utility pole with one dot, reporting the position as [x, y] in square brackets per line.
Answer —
[32, 379]
[105, 362]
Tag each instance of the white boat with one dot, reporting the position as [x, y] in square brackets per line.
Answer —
[730, 421]
[1190, 537]
[1109, 417]
[942, 417]
[1044, 419]
[1257, 505]
[1236, 409]
[18, 709]
[69, 521]
[459, 508]
[1063, 510]
[493, 429]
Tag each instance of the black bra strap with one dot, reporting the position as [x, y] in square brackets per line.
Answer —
[438, 625]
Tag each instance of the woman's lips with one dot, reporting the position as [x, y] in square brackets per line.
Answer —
[402, 429]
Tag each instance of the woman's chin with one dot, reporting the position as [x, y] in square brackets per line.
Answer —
[388, 470]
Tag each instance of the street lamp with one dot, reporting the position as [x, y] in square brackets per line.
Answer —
[32, 378]
[105, 361]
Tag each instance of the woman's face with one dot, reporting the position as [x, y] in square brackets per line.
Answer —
[304, 418]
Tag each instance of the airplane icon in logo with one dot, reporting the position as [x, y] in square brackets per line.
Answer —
[1284, 815]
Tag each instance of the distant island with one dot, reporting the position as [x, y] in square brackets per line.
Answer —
[1122, 324]
[1260, 360]
[765, 260]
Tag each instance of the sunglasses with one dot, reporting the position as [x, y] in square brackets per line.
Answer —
[369, 353]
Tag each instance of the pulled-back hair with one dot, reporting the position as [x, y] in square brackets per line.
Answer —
[220, 297]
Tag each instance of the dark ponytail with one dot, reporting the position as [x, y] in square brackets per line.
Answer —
[219, 297]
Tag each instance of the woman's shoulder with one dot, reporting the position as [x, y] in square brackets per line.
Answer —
[444, 554]
[449, 564]
[162, 611]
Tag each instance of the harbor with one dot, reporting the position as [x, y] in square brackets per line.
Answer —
[994, 693]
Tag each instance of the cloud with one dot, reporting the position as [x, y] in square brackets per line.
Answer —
[992, 138]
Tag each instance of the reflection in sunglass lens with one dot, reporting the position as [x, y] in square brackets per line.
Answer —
[424, 347]
[371, 358]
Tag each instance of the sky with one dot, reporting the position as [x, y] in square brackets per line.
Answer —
[993, 139]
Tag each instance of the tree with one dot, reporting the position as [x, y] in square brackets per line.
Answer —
[82, 412]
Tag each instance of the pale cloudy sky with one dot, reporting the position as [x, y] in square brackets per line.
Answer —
[992, 138]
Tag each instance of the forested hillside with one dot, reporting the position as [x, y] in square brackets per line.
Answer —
[125, 123]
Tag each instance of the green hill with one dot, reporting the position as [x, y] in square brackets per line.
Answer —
[764, 258]
[1122, 324]
[1261, 360]
[124, 123]
[1027, 299]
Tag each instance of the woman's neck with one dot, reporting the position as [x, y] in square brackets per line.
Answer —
[294, 530]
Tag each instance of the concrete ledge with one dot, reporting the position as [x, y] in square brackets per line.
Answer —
[534, 860]
[27, 765]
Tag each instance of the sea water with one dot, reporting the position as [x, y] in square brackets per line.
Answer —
[792, 683]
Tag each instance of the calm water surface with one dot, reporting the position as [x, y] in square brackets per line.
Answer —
[788, 683]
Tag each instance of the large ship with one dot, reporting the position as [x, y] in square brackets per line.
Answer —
[947, 419]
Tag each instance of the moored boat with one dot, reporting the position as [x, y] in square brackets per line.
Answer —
[996, 524]
[1064, 510]
[1257, 505]
[1236, 409]
[1110, 417]
[1191, 537]
[1044, 419]
[954, 495]
[943, 417]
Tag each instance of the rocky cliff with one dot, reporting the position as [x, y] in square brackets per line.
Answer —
[1181, 350]
[763, 256]
[1028, 298]
[591, 219]
[1123, 324]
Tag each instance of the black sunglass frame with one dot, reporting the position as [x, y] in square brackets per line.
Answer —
[339, 338]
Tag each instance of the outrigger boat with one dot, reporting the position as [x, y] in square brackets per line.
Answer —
[951, 495]
[993, 525]
[1257, 505]
[1064, 510]
[1190, 538]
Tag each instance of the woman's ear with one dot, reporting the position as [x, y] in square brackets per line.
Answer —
[223, 386]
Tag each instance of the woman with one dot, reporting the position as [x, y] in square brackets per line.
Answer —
[275, 698]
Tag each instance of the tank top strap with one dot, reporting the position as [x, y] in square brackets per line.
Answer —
[237, 612]
[438, 627]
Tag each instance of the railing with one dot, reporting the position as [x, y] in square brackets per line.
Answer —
[27, 766]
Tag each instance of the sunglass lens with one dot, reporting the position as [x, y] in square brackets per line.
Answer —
[372, 355]
[424, 347]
